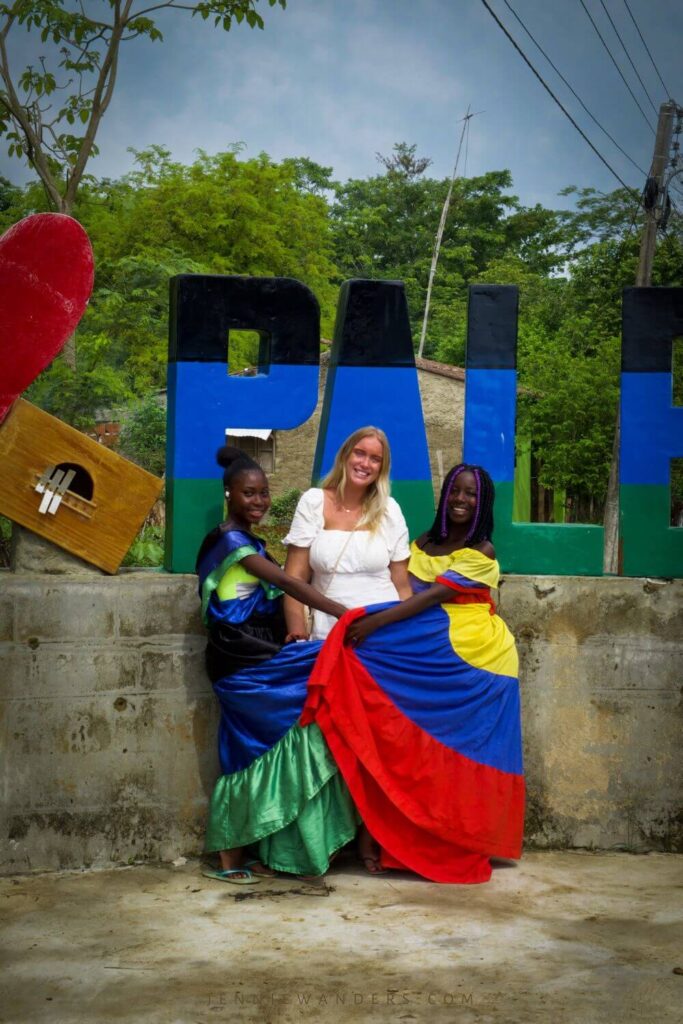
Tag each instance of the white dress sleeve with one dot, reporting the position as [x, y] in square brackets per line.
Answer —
[308, 519]
[396, 532]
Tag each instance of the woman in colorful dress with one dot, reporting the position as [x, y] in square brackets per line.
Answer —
[419, 702]
[279, 790]
[350, 540]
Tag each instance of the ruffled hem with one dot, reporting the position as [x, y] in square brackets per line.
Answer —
[291, 801]
[431, 809]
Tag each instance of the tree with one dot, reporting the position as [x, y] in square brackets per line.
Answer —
[599, 217]
[50, 112]
[404, 162]
[567, 402]
[384, 227]
[75, 395]
[143, 435]
[225, 215]
[219, 215]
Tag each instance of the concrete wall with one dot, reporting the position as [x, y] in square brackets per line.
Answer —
[107, 722]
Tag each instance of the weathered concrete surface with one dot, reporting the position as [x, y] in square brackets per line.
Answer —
[107, 721]
[31, 553]
[602, 690]
[564, 937]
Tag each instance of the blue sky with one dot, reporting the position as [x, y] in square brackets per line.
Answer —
[339, 80]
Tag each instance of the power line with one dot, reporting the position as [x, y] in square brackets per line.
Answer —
[632, 225]
[560, 105]
[602, 40]
[573, 91]
[668, 93]
[623, 46]
[677, 191]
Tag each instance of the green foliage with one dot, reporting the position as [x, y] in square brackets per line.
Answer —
[143, 435]
[72, 84]
[220, 215]
[74, 396]
[273, 535]
[147, 550]
[283, 507]
[385, 227]
[5, 542]
[279, 519]
[677, 492]
[600, 217]
[126, 323]
[404, 162]
[243, 350]
[569, 389]
[225, 214]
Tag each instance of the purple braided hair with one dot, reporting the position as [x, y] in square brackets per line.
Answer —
[449, 487]
[475, 517]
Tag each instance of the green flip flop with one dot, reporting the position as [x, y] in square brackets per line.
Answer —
[229, 876]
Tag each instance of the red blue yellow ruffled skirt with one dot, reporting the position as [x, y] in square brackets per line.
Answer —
[429, 743]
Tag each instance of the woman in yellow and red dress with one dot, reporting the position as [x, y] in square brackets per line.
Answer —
[419, 702]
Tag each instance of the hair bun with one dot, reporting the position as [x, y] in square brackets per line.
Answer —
[228, 454]
[234, 461]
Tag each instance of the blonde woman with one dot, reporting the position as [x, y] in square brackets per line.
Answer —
[348, 537]
[350, 540]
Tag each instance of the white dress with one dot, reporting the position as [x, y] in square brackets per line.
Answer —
[351, 567]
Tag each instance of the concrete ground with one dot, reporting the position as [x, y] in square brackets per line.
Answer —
[561, 937]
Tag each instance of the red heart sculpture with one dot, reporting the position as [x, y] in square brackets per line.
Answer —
[46, 277]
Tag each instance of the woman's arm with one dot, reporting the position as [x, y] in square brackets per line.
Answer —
[399, 577]
[359, 629]
[260, 567]
[298, 566]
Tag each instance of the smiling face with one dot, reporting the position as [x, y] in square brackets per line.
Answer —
[364, 463]
[249, 498]
[462, 501]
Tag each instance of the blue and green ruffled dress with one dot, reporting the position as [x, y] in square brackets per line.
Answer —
[279, 790]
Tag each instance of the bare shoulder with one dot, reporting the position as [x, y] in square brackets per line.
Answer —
[486, 548]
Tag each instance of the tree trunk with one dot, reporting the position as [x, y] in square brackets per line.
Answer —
[68, 353]
[610, 556]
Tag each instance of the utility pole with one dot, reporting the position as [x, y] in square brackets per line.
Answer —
[439, 235]
[653, 197]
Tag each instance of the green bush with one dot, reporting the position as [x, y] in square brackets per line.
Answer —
[147, 550]
[5, 540]
[283, 507]
[143, 435]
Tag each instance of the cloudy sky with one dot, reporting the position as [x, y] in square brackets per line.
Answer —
[339, 80]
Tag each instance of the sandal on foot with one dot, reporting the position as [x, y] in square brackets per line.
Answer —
[265, 872]
[372, 865]
[315, 881]
[231, 875]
